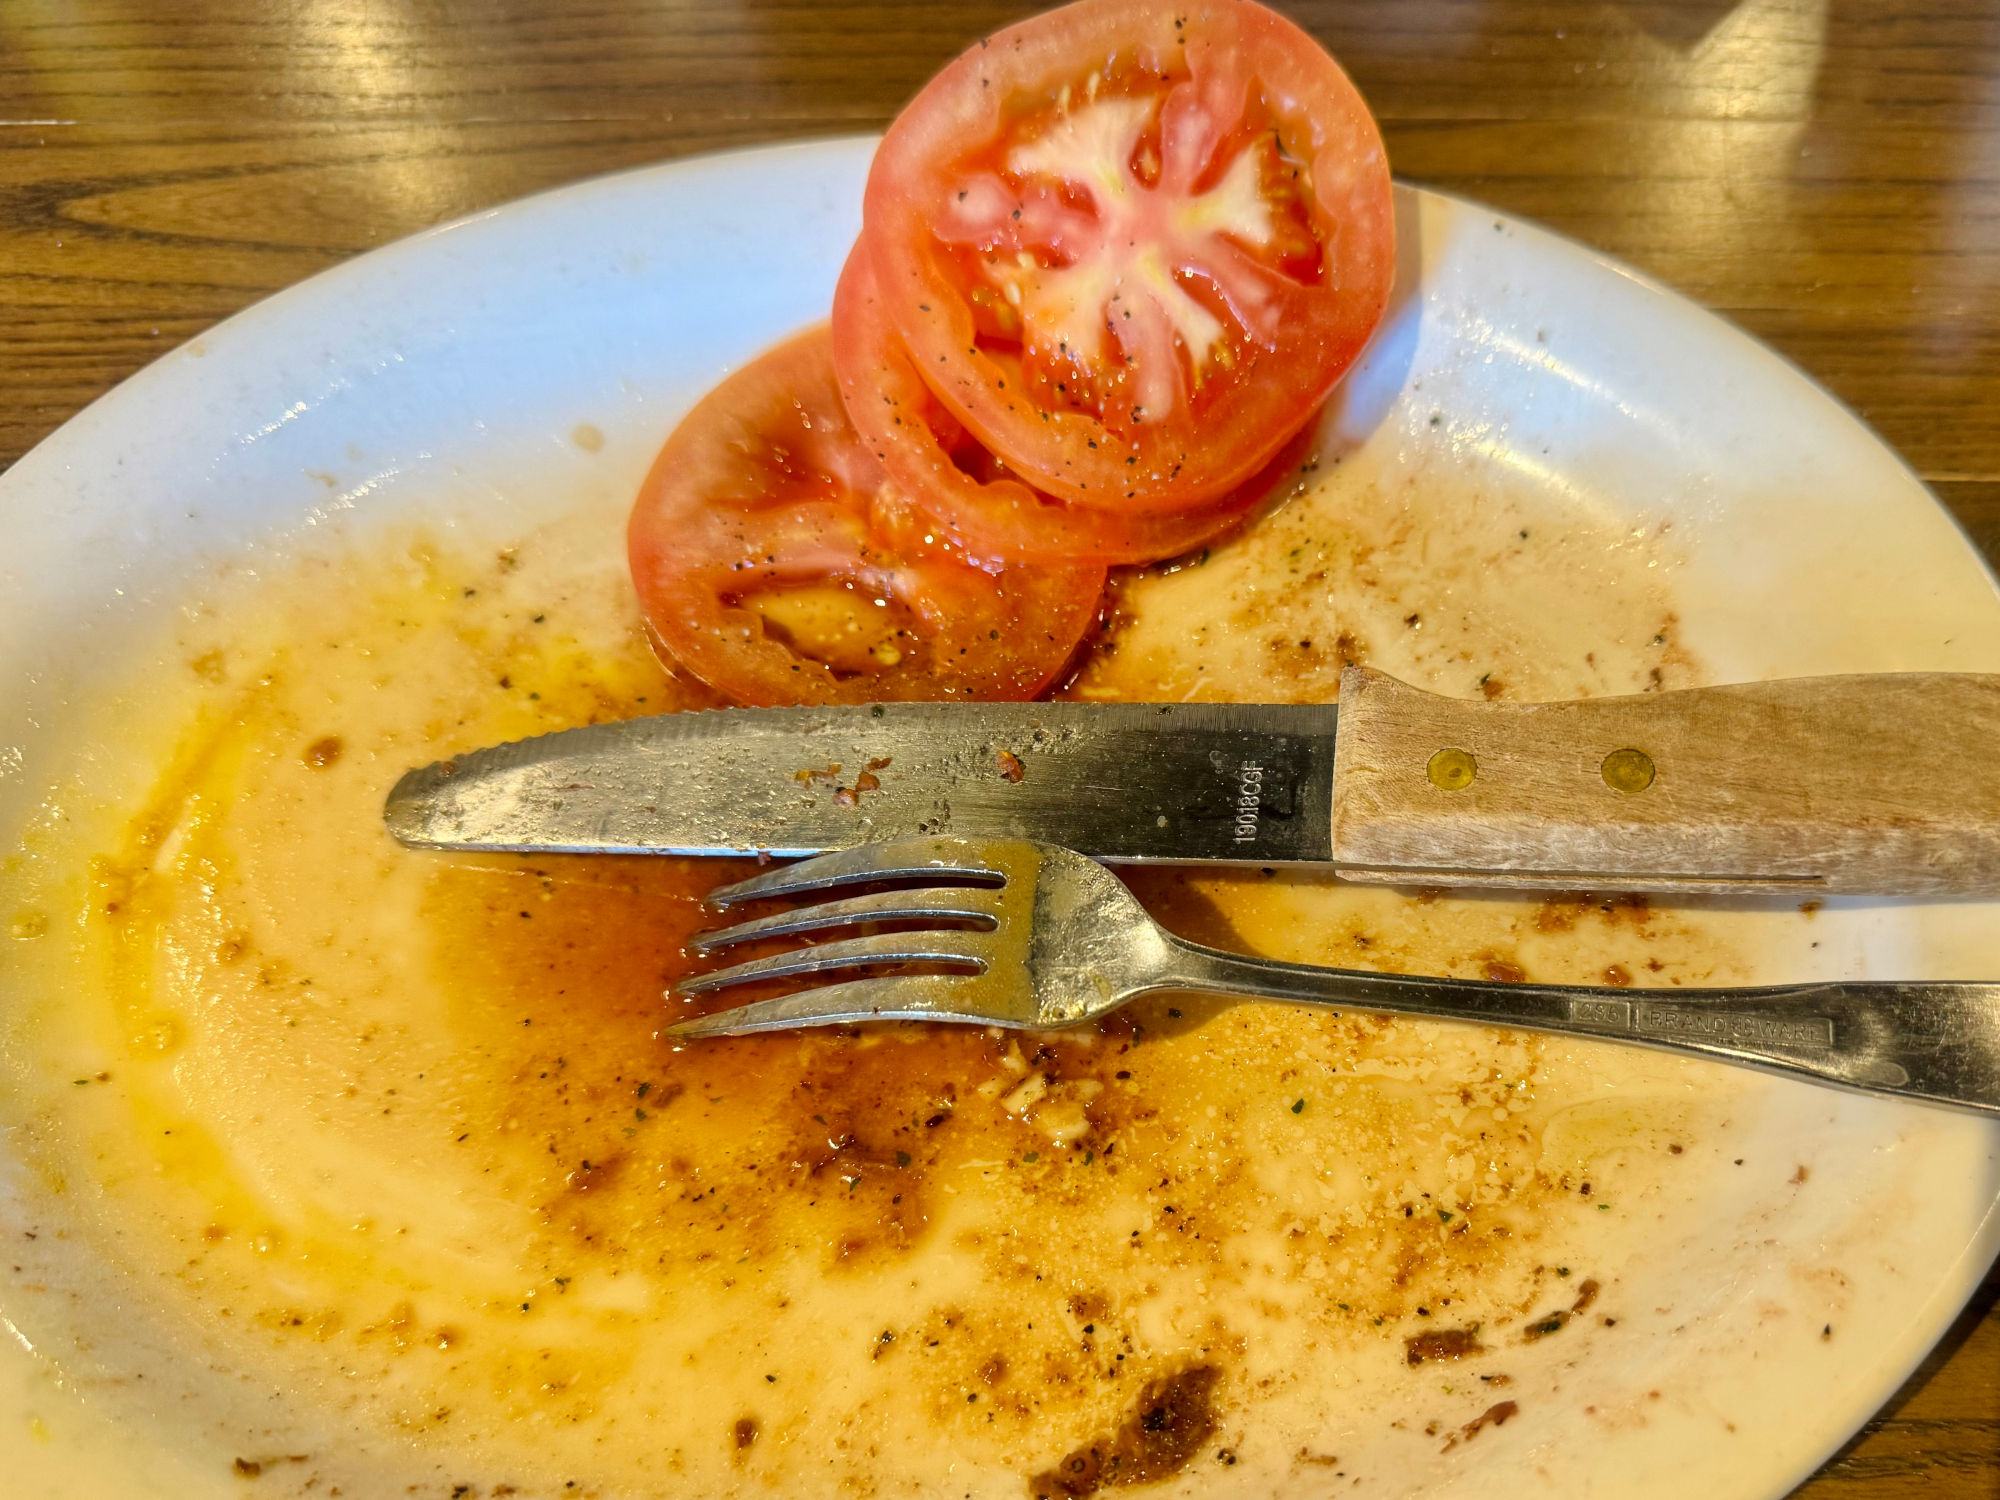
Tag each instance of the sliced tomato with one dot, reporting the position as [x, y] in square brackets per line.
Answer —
[775, 560]
[1132, 245]
[986, 510]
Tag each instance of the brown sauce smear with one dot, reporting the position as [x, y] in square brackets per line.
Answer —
[1165, 1428]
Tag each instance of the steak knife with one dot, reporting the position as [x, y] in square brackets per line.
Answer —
[1888, 784]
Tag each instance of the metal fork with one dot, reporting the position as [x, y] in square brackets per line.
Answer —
[1040, 938]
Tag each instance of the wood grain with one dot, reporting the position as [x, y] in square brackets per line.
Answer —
[1825, 172]
[1763, 786]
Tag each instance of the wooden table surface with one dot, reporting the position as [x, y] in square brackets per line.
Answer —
[1824, 172]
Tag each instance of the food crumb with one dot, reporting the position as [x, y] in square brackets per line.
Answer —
[1442, 1343]
[1494, 1416]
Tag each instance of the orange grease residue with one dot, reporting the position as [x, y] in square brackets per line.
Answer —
[769, 1185]
[634, 1144]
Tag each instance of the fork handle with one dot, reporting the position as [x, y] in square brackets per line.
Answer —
[1936, 1041]
[1885, 784]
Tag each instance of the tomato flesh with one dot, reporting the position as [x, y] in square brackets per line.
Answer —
[775, 559]
[989, 512]
[1131, 293]
[1132, 246]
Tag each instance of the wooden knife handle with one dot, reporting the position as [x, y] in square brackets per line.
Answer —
[1886, 784]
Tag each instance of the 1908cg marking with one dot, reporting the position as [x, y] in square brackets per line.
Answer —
[1249, 801]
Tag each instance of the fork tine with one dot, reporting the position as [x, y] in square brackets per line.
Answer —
[906, 859]
[903, 997]
[935, 903]
[849, 953]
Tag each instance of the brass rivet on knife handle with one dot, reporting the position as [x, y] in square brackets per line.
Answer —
[1628, 771]
[1873, 784]
[1452, 770]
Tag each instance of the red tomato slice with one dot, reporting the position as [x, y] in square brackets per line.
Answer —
[1132, 244]
[987, 511]
[776, 561]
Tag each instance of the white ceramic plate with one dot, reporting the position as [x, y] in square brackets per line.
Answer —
[449, 371]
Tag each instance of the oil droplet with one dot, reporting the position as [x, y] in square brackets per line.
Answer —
[587, 437]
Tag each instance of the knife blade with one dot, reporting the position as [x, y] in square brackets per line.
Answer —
[1880, 784]
[1198, 783]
